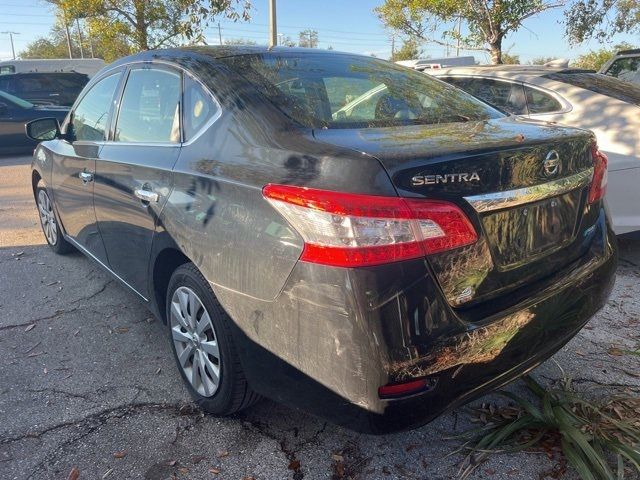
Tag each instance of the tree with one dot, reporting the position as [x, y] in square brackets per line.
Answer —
[597, 58]
[509, 59]
[239, 41]
[155, 23]
[409, 50]
[308, 38]
[488, 21]
[601, 19]
[541, 60]
[108, 44]
[287, 42]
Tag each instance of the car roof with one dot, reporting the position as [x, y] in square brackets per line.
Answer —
[183, 55]
[515, 72]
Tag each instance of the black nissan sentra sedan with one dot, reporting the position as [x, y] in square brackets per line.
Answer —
[329, 230]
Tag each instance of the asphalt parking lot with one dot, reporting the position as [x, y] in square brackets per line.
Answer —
[87, 382]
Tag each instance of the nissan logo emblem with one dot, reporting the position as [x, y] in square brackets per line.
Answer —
[551, 164]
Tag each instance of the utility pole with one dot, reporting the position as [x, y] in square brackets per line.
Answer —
[11, 34]
[66, 29]
[80, 38]
[219, 33]
[273, 28]
[393, 47]
[458, 39]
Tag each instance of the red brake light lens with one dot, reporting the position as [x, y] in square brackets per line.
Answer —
[402, 389]
[599, 181]
[353, 230]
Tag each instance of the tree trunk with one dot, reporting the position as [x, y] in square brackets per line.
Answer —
[141, 25]
[495, 48]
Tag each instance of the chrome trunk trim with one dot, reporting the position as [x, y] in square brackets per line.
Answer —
[496, 201]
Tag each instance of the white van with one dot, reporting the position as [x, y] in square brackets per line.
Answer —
[88, 66]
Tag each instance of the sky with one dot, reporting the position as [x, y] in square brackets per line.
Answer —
[344, 25]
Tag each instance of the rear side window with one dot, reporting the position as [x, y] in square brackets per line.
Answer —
[541, 102]
[91, 116]
[39, 83]
[627, 69]
[150, 107]
[602, 84]
[7, 69]
[348, 91]
[507, 96]
[199, 107]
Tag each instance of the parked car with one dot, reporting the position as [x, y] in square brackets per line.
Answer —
[578, 98]
[88, 66]
[625, 65]
[374, 268]
[45, 88]
[14, 114]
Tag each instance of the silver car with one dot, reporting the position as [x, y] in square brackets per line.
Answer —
[579, 98]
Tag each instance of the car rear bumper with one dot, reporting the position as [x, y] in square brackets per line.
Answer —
[334, 336]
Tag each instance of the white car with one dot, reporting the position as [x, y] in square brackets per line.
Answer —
[579, 98]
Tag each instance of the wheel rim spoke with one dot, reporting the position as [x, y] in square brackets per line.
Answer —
[211, 347]
[185, 355]
[181, 337]
[195, 341]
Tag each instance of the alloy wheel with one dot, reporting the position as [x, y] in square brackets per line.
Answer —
[195, 341]
[47, 217]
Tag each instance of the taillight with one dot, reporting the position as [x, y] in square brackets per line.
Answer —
[599, 181]
[353, 230]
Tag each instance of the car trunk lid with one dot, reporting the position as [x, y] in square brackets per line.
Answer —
[523, 186]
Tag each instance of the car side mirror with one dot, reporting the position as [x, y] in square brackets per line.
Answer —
[43, 129]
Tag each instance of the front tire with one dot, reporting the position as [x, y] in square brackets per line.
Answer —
[203, 346]
[49, 222]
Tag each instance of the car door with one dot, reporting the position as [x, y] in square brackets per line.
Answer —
[73, 169]
[14, 113]
[134, 169]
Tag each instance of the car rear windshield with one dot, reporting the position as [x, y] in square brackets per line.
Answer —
[348, 91]
[602, 84]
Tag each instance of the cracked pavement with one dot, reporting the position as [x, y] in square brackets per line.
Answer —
[87, 381]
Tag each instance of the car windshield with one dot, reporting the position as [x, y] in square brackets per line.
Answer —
[347, 91]
[599, 83]
[15, 100]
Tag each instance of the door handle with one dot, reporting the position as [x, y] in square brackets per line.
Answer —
[146, 195]
[86, 177]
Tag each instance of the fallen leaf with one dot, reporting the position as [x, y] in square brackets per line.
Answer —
[158, 370]
[183, 470]
[337, 458]
[294, 465]
[35, 354]
[74, 474]
[615, 351]
[215, 471]
[120, 454]
[172, 463]
[223, 453]
[122, 329]
[30, 327]
[198, 458]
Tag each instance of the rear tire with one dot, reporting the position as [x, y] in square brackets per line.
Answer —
[202, 344]
[49, 222]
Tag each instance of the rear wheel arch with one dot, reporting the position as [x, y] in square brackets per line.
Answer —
[165, 262]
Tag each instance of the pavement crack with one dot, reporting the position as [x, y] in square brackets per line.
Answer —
[39, 319]
[103, 416]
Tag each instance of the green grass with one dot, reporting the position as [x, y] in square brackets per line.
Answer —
[599, 439]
